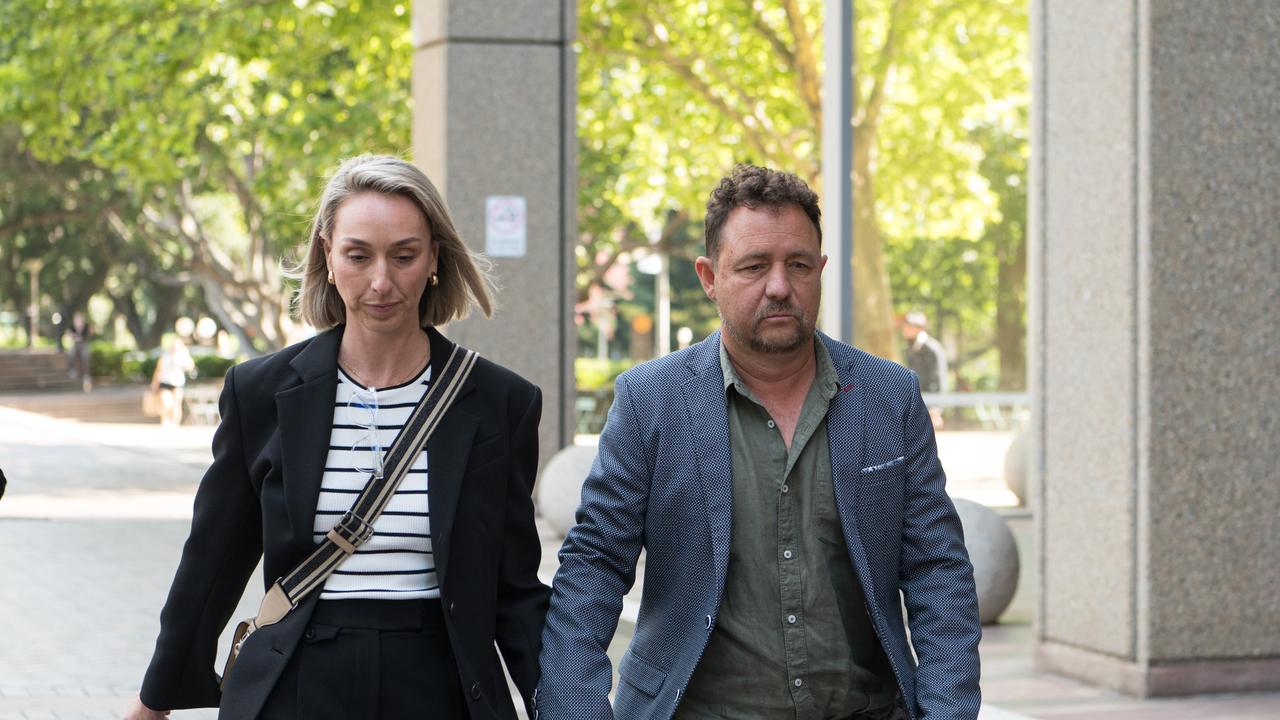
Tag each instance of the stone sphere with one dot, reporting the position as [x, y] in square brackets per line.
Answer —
[560, 485]
[994, 555]
[1016, 461]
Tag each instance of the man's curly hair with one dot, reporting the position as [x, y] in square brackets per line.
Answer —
[755, 187]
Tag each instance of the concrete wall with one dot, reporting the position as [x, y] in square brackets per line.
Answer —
[494, 115]
[1156, 370]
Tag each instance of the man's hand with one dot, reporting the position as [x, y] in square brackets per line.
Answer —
[138, 711]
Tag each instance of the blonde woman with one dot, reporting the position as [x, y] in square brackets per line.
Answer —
[406, 626]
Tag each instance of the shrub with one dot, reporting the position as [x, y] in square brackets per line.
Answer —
[138, 366]
[106, 361]
[212, 367]
[594, 374]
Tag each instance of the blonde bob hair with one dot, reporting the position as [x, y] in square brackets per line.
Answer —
[464, 276]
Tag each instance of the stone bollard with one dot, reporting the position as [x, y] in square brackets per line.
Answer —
[994, 555]
[560, 485]
[1015, 468]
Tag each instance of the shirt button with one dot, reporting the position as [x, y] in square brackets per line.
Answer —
[708, 622]
[786, 554]
[785, 489]
[771, 424]
[791, 619]
[799, 682]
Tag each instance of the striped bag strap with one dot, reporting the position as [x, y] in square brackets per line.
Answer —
[356, 526]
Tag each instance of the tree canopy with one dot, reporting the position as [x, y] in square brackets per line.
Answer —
[160, 152]
[212, 123]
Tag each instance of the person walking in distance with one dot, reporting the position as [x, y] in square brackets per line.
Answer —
[170, 378]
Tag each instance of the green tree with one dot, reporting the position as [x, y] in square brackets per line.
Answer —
[974, 288]
[218, 119]
[673, 92]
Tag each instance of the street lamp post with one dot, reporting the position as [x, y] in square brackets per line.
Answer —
[658, 264]
[837, 171]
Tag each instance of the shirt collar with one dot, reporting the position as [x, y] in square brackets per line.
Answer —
[826, 377]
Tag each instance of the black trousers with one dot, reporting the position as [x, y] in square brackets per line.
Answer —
[375, 659]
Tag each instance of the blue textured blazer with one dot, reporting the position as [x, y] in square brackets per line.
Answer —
[662, 481]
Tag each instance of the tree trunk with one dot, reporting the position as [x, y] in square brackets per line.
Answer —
[149, 335]
[873, 326]
[1011, 319]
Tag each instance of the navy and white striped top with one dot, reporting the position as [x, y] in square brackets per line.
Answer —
[397, 562]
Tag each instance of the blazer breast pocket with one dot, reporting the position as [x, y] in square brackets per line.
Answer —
[882, 472]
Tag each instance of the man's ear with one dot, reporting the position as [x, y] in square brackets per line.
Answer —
[706, 269]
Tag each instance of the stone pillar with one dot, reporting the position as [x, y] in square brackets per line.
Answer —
[1156, 342]
[493, 91]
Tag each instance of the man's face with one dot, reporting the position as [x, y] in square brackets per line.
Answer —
[767, 279]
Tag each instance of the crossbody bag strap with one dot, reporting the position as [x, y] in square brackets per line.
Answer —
[356, 526]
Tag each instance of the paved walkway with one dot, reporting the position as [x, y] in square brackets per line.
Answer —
[94, 519]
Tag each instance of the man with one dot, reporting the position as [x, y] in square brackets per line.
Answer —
[925, 355]
[785, 487]
[80, 351]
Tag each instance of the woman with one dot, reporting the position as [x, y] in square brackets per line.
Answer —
[406, 626]
[169, 378]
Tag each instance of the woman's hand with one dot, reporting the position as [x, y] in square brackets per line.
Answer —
[138, 711]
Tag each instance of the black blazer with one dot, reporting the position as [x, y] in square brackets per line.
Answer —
[258, 500]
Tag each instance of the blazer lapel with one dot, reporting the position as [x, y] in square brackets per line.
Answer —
[707, 410]
[305, 414]
[846, 429]
[448, 451]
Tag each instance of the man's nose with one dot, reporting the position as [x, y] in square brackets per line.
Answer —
[777, 285]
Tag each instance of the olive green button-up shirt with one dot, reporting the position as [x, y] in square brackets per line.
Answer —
[792, 637]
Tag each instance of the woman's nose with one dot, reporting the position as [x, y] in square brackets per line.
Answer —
[381, 279]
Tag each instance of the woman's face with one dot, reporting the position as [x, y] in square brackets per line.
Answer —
[381, 254]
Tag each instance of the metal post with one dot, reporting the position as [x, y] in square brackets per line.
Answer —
[837, 170]
[663, 326]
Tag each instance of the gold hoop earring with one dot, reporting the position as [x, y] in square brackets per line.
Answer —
[435, 280]
[331, 277]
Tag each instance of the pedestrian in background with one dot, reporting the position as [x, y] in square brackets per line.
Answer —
[411, 622]
[927, 358]
[169, 379]
[80, 366]
[925, 355]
